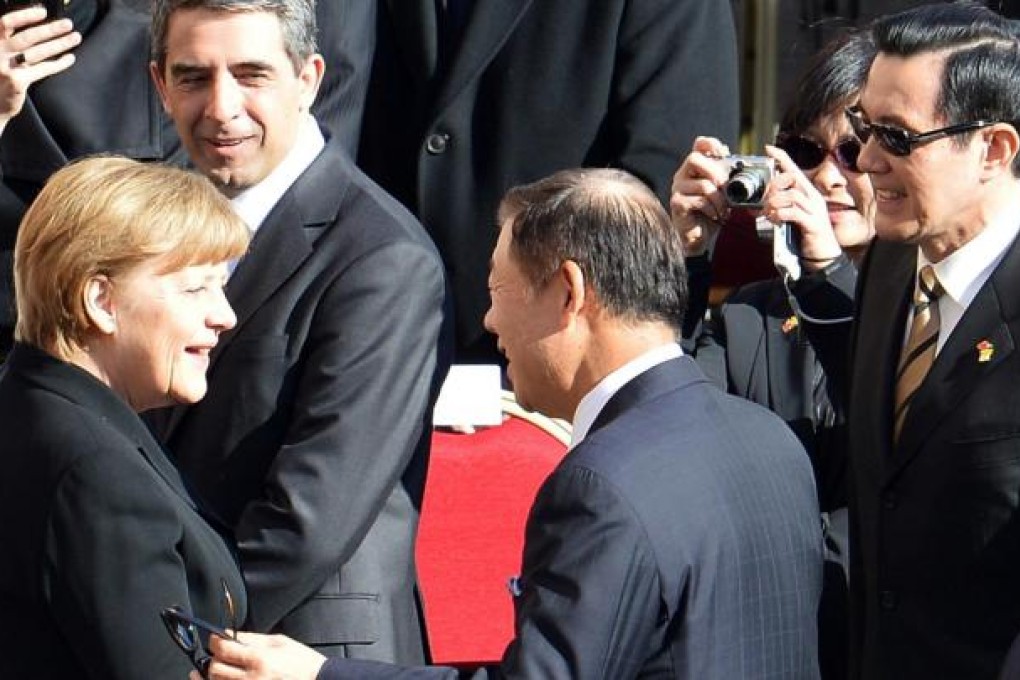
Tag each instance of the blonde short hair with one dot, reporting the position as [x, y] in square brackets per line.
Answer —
[103, 216]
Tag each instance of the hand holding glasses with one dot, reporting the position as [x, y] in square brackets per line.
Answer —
[184, 630]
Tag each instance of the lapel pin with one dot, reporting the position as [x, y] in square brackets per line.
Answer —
[986, 351]
[790, 324]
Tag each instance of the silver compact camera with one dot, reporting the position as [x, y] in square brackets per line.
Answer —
[748, 177]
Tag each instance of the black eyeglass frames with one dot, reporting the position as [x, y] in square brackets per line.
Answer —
[184, 630]
[900, 142]
[809, 154]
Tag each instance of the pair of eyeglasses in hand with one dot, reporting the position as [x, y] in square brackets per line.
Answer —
[184, 630]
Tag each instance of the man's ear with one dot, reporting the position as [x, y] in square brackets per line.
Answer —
[311, 78]
[1002, 146]
[99, 308]
[573, 281]
[160, 83]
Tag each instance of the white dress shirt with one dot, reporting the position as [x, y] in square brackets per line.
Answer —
[593, 402]
[965, 271]
[255, 203]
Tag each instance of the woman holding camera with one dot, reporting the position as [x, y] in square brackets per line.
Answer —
[752, 345]
[119, 273]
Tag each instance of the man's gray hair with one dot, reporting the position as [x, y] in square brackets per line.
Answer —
[297, 23]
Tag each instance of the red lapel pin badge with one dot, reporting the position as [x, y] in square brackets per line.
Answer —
[790, 324]
[985, 350]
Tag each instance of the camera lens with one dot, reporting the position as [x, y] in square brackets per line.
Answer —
[745, 187]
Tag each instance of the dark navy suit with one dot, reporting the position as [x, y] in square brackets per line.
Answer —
[934, 516]
[679, 539]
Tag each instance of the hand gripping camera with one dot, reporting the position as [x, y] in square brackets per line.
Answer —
[748, 178]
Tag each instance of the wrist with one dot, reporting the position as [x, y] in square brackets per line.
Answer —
[819, 263]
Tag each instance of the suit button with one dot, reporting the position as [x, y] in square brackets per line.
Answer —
[437, 142]
[887, 600]
[889, 501]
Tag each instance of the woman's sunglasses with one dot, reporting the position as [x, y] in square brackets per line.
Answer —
[900, 142]
[809, 154]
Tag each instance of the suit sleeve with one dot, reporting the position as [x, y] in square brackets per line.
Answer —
[590, 595]
[676, 78]
[361, 409]
[112, 565]
[830, 294]
[699, 286]
[710, 350]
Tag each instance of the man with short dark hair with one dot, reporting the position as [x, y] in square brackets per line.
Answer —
[312, 442]
[933, 420]
[679, 538]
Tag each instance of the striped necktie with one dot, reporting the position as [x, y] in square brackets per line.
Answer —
[919, 351]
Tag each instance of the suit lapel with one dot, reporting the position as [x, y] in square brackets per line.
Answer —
[489, 25]
[957, 369]
[666, 377]
[882, 315]
[286, 239]
[784, 357]
[283, 242]
[278, 249]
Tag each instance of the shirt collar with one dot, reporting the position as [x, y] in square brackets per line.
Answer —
[254, 203]
[965, 271]
[593, 402]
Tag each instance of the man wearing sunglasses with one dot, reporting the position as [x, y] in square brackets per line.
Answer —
[934, 424]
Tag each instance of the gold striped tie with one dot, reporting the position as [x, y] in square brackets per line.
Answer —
[919, 352]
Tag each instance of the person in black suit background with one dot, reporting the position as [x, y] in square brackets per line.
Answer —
[932, 418]
[120, 270]
[313, 441]
[100, 99]
[470, 97]
[683, 522]
[752, 345]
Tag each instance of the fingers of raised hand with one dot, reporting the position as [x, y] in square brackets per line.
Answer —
[710, 146]
[697, 198]
[37, 44]
[11, 22]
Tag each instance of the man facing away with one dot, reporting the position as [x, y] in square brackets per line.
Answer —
[312, 442]
[679, 537]
[933, 419]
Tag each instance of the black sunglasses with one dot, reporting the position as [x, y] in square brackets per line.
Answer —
[184, 630]
[900, 142]
[809, 154]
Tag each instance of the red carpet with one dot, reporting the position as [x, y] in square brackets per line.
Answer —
[479, 490]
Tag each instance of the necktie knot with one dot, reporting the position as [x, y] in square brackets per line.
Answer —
[928, 287]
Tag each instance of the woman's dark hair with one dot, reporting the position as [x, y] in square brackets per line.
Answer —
[832, 80]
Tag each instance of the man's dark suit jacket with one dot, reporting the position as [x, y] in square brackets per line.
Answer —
[754, 347]
[106, 103]
[313, 439]
[679, 539]
[537, 86]
[935, 527]
[99, 533]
